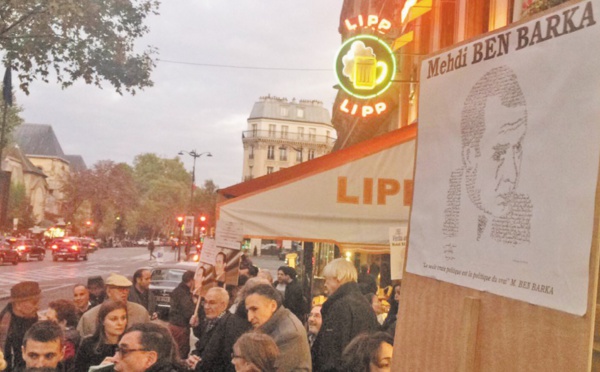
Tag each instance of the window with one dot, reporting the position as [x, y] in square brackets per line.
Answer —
[300, 112]
[283, 153]
[299, 155]
[251, 153]
[300, 133]
[254, 130]
[284, 111]
[250, 172]
[271, 130]
[312, 134]
[271, 152]
[269, 170]
[284, 131]
[311, 154]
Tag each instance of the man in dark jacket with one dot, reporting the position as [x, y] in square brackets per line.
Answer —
[141, 294]
[182, 309]
[293, 298]
[216, 334]
[346, 313]
[16, 318]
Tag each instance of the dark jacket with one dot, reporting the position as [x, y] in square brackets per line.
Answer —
[92, 354]
[346, 313]
[215, 345]
[12, 331]
[294, 299]
[182, 306]
[149, 301]
[166, 367]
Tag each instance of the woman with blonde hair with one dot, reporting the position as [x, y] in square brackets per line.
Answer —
[255, 352]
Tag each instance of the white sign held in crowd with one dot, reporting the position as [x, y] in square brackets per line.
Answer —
[397, 251]
[229, 234]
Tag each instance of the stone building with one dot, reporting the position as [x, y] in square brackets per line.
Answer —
[283, 133]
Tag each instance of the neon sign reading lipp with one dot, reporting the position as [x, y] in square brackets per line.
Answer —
[365, 67]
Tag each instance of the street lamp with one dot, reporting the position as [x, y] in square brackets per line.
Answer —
[194, 155]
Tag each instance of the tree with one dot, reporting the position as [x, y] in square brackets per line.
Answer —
[13, 120]
[91, 40]
[537, 6]
[205, 201]
[108, 188]
[19, 208]
[163, 189]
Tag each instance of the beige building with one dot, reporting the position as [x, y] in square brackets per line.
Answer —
[284, 133]
[40, 145]
[23, 172]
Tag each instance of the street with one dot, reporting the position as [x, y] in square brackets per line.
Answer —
[57, 278]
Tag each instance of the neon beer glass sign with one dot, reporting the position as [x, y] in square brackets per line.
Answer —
[365, 66]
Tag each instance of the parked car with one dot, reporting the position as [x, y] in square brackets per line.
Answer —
[66, 248]
[7, 252]
[89, 244]
[270, 249]
[28, 249]
[165, 278]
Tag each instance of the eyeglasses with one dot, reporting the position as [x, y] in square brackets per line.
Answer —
[124, 351]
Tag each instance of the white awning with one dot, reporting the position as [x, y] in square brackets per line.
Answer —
[350, 197]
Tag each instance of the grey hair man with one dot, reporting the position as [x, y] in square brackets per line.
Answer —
[346, 313]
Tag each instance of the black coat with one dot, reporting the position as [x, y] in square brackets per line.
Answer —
[182, 306]
[346, 314]
[294, 300]
[215, 346]
[12, 331]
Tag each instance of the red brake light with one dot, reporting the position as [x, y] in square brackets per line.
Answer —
[54, 246]
[21, 247]
[74, 247]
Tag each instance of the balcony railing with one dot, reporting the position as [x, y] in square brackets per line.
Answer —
[287, 136]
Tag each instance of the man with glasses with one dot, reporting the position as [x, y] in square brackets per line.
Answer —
[146, 347]
[117, 289]
[216, 334]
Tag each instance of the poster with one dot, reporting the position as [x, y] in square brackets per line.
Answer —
[507, 161]
[397, 251]
[219, 263]
[188, 226]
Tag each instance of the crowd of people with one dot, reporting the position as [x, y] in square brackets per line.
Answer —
[264, 326]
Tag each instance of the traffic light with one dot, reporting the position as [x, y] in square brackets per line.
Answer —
[180, 221]
[202, 223]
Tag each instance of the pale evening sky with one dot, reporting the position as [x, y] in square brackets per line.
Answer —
[199, 107]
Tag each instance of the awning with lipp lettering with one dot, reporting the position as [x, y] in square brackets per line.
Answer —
[350, 197]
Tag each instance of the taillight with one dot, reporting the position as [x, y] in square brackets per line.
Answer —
[54, 246]
[74, 247]
[21, 247]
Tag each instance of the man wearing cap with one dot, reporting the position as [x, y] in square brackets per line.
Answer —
[117, 289]
[16, 318]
